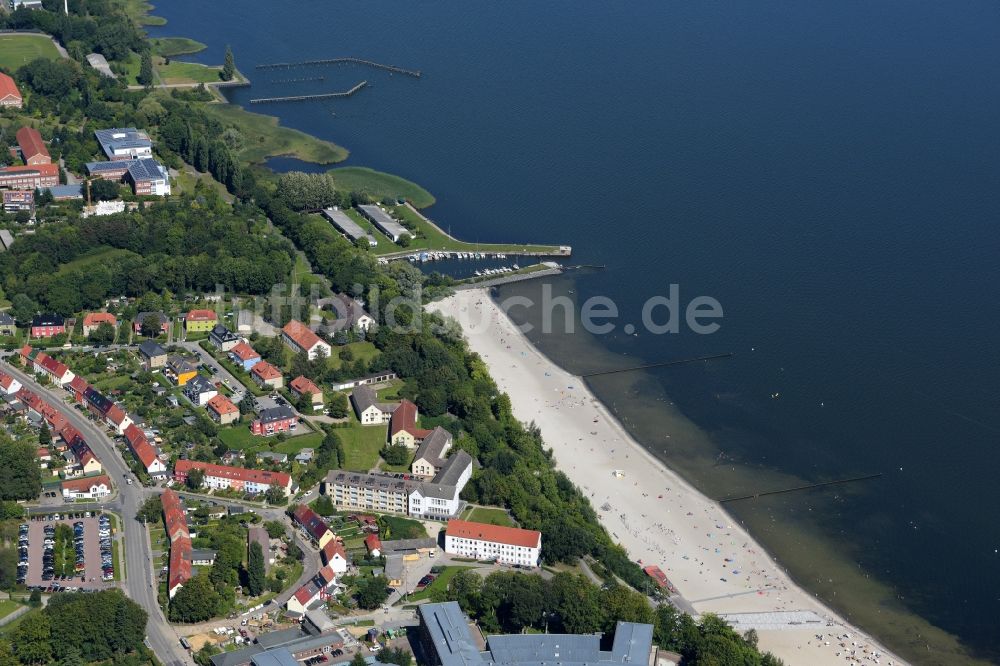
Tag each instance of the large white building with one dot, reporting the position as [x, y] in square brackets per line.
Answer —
[385, 493]
[507, 545]
[222, 477]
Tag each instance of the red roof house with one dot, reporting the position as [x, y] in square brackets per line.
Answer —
[94, 319]
[373, 544]
[9, 94]
[32, 147]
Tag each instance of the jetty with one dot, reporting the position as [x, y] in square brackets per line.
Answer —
[341, 61]
[308, 98]
[480, 283]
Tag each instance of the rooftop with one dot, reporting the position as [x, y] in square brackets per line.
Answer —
[512, 536]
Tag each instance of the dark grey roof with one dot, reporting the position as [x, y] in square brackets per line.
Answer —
[455, 645]
[237, 657]
[102, 167]
[363, 398]
[150, 349]
[146, 169]
[203, 554]
[121, 137]
[276, 413]
[406, 545]
[6, 319]
[47, 319]
[453, 468]
[276, 657]
[141, 317]
[432, 449]
[223, 333]
[281, 637]
[66, 191]
[198, 384]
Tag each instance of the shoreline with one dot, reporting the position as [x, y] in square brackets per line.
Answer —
[717, 567]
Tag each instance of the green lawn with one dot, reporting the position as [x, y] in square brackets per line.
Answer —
[293, 445]
[264, 137]
[17, 50]
[187, 72]
[490, 516]
[365, 350]
[429, 237]
[439, 583]
[138, 11]
[238, 437]
[7, 607]
[361, 445]
[98, 256]
[175, 46]
[379, 185]
[397, 527]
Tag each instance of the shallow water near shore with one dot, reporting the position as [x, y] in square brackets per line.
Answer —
[827, 171]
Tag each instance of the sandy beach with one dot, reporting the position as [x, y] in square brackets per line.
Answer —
[660, 519]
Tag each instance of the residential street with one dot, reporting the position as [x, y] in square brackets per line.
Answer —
[139, 582]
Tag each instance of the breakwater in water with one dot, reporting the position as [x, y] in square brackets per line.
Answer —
[342, 61]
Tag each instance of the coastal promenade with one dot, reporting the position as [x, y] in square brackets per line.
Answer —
[657, 516]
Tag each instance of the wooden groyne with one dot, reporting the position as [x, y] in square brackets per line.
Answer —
[659, 365]
[796, 489]
[340, 61]
[307, 98]
[307, 79]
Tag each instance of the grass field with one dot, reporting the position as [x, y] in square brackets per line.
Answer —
[361, 445]
[438, 584]
[17, 50]
[186, 72]
[488, 515]
[98, 256]
[379, 185]
[430, 237]
[264, 137]
[175, 46]
[138, 11]
[7, 607]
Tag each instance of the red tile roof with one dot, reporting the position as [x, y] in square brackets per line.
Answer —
[180, 562]
[372, 542]
[301, 334]
[51, 366]
[243, 351]
[333, 548]
[265, 371]
[173, 515]
[98, 318]
[235, 473]
[222, 405]
[48, 170]
[6, 380]
[116, 415]
[303, 385]
[8, 87]
[140, 445]
[404, 417]
[30, 142]
[512, 536]
[43, 453]
[86, 483]
[79, 384]
[311, 521]
[201, 315]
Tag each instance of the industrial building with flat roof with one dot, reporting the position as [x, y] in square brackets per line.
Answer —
[347, 226]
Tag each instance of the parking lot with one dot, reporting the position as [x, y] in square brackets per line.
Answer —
[91, 576]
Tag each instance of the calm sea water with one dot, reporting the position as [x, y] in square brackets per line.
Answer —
[827, 171]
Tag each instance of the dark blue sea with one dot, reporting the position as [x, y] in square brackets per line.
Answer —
[828, 171]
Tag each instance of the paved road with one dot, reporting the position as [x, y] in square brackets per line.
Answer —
[239, 391]
[139, 582]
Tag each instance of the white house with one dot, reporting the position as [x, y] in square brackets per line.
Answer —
[368, 410]
[507, 545]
